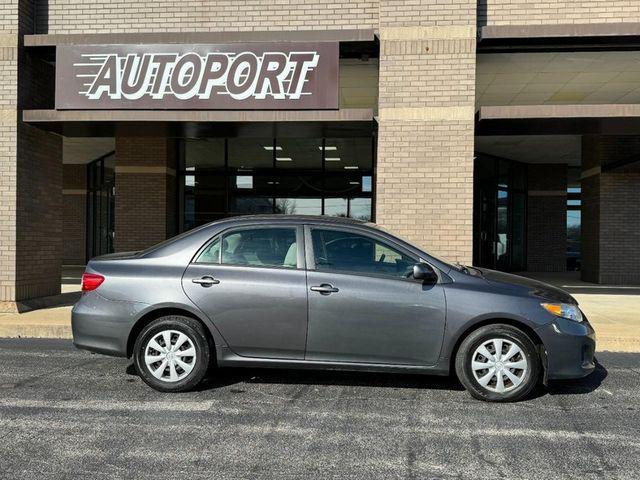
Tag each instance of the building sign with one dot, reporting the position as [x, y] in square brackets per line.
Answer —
[254, 76]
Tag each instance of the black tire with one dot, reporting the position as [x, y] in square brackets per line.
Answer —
[529, 378]
[195, 333]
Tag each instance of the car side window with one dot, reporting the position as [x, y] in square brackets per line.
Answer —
[211, 254]
[344, 251]
[260, 247]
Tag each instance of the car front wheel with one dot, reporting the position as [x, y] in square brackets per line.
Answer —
[172, 353]
[498, 363]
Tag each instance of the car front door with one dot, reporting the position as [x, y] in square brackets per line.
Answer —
[251, 283]
[363, 304]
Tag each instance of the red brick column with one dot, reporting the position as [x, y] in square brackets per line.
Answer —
[145, 191]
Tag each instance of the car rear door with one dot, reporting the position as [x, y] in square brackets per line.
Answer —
[362, 306]
[250, 282]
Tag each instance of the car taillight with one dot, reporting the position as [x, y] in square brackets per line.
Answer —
[91, 281]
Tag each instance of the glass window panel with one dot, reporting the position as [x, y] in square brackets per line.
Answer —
[366, 184]
[574, 218]
[344, 251]
[502, 236]
[299, 153]
[503, 173]
[360, 208]
[336, 207]
[485, 169]
[519, 176]
[262, 247]
[250, 205]
[519, 232]
[203, 154]
[211, 254]
[353, 153]
[346, 184]
[244, 182]
[250, 153]
[299, 185]
[299, 206]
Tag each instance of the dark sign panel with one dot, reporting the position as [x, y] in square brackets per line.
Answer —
[253, 76]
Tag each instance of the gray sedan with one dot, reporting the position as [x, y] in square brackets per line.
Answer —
[320, 292]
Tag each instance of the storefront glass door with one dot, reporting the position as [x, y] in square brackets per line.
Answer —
[499, 214]
[100, 206]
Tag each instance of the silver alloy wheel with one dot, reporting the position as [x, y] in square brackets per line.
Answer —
[170, 355]
[499, 365]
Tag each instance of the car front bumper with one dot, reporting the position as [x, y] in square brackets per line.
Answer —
[570, 348]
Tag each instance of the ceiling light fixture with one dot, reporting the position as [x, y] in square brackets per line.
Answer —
[284, 159]
[351, 167]
[329, 147]
[332, 159]
[270, 148]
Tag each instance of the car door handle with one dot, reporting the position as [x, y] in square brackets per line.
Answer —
[206, 281]
[324, 289]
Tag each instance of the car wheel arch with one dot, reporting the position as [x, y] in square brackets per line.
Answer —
[151, 315]
[520, 325]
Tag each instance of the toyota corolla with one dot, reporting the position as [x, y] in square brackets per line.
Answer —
[325, 293]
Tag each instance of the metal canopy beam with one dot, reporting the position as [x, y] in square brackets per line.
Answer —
[567, 37]
[203, 123]
[609, 119]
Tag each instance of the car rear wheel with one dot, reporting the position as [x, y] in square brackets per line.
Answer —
[498, 363]
[172, 353]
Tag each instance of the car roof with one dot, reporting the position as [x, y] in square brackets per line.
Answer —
[279, 218]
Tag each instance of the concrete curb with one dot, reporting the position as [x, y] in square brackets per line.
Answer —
[63, 299]
[35, 331]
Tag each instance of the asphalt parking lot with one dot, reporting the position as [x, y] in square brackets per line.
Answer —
[65, 413]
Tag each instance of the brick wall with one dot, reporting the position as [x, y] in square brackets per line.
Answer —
[30, 172]
[547, 218]
[522, 12]
[74, 213]
[39, 219]
[145, 192]
[610, 219]
[425, 144]
[105, 16]
[620, 227]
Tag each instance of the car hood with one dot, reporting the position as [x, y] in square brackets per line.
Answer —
[534, 287]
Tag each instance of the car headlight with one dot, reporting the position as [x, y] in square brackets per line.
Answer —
[564, 310]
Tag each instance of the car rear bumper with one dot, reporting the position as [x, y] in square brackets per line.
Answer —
[102, 325]
[570, 348]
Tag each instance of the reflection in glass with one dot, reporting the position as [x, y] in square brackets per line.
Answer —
[502, 230]
[250, 153]
[336, 207]
[299, 153]
[203, 154]
[519, 232]
[366, 183]
[298, 206]
[352, 153]
[275, 175]
[360, 208]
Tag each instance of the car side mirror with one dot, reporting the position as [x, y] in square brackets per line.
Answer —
[424, 272]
